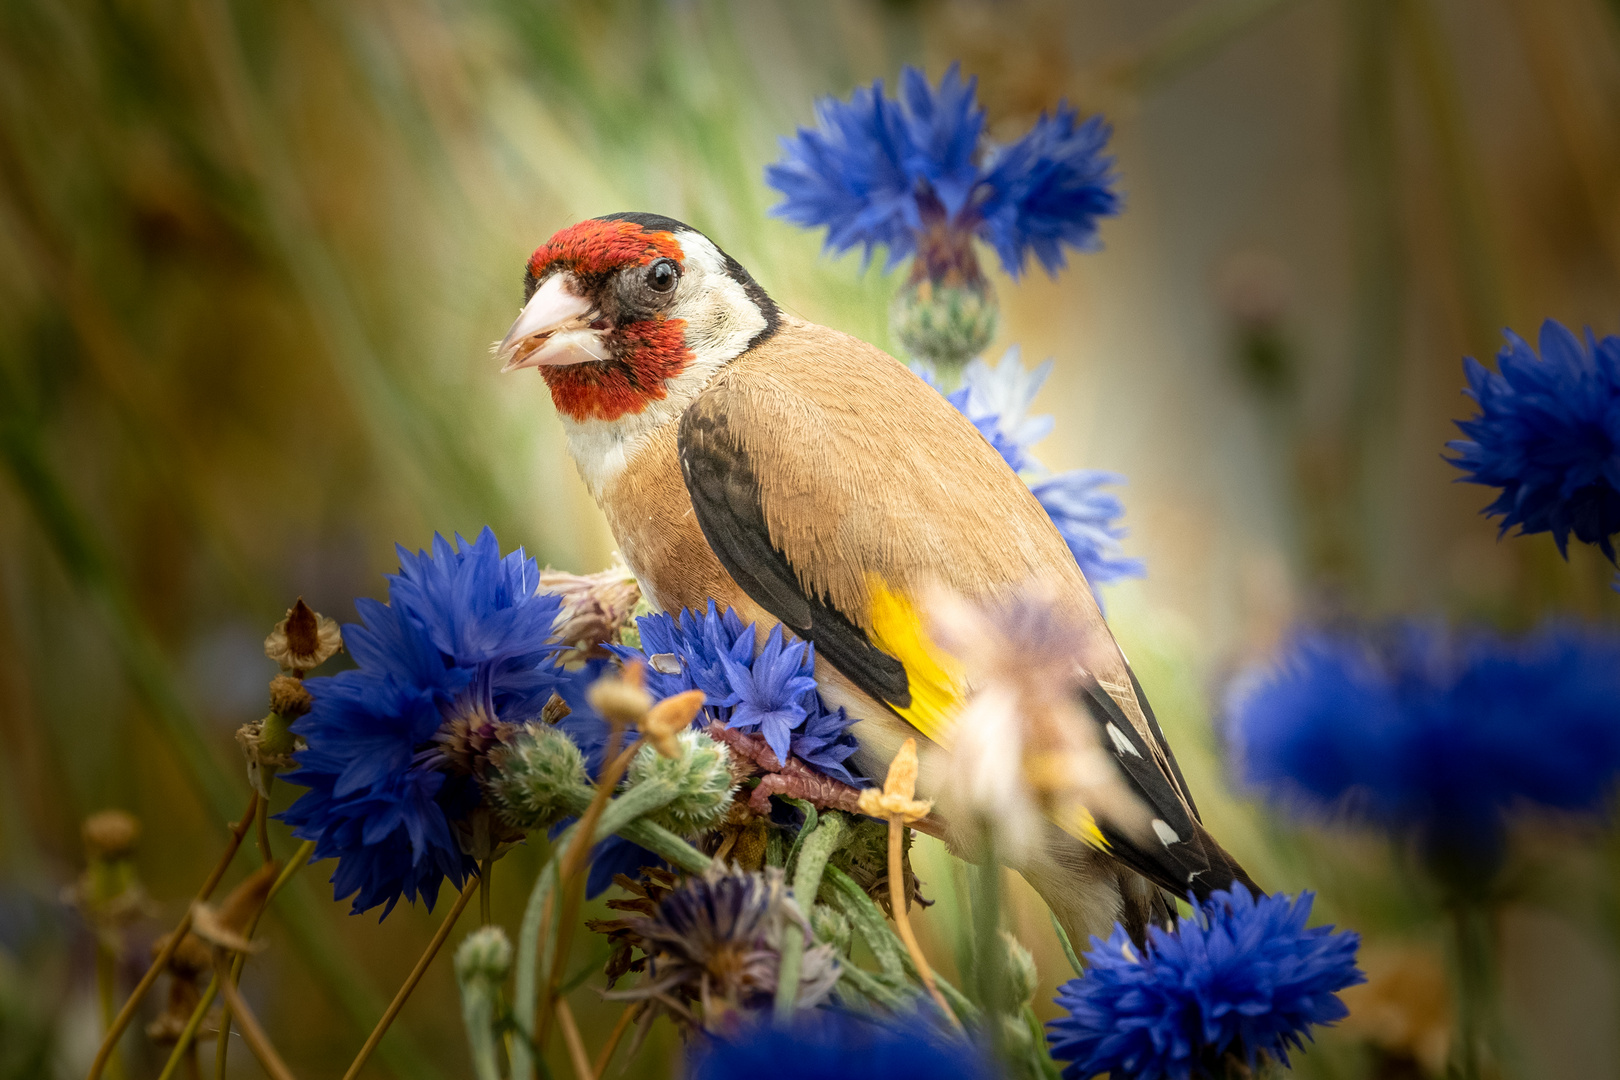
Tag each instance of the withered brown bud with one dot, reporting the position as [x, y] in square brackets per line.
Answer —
[620, 700]
[191, 958]
[302, 628]
[303, 640]
[110, 834]
[288, 697]
[556, 709]
[247, 898]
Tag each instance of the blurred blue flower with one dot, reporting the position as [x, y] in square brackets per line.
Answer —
[773, 693]
[458, 656]
[883, 172]
[1548, 435]
[829, 1043]
[1432, 734]
[997, 400]
[1240, 977]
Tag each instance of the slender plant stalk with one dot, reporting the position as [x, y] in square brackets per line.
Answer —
[581, 1061]
[1068, 946]
[571, 874]
[161, 961]
[262, 829]
[1470, 923]
[106, 993]
[252, 1033]
[412, 979]
[902, 918]
[299, 859]
[620, 1026]
[484, 872]
[194, 1023]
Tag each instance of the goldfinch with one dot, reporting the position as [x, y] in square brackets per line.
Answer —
[801, 476]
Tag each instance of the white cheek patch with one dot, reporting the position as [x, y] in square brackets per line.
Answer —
[721, 318]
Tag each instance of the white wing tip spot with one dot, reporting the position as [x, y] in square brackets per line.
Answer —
[1122, 745]
[1165, 833]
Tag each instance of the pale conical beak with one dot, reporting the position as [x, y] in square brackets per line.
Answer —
[554, 329]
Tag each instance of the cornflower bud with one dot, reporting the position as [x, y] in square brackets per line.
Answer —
[700, 770]
[539, 777]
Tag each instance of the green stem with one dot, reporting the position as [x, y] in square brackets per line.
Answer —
[1068, 947]
[989, 955]
[814, 852]
[620, 816]
[1475, 971]
[478, 1013]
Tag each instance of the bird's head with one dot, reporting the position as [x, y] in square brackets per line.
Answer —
[625, 310]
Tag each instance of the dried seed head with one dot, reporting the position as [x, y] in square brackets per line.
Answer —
[110, 834]
[288, 697]
[303, 640]
[595, 607]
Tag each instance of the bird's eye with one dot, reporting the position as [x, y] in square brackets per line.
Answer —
[662, 275]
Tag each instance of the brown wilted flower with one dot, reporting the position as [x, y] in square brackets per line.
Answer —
[897, 799]
[303, 640]
[595, 607]
[716, 942]
[668, 718]
[1022, 748]
[191, 960]
[226, 926]
[621, 699]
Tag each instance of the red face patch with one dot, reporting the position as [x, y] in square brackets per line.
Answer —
[643, 356]
[597, 248]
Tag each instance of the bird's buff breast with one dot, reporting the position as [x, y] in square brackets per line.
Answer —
[658, 535]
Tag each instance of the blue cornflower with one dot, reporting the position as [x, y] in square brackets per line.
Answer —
[831, 1043]
[456, 660]
[997, 400]
[916, 175]
[1240, 977]
[1434, 735]
[773, 693]
[1548, 435]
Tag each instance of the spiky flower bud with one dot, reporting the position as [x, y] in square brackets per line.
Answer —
[485, 956]
[831, 926]
[1022, 978]
[700, 771]
[945, 324]
[538, 778]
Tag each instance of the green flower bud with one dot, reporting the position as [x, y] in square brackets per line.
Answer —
[832, 926]
[1022, 978]
[946, 324]
[539, 778]
[700, 772]
[486, 956]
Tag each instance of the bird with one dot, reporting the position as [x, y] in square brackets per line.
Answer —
[800, 476]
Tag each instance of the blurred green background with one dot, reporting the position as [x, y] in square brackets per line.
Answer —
[255, 253]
